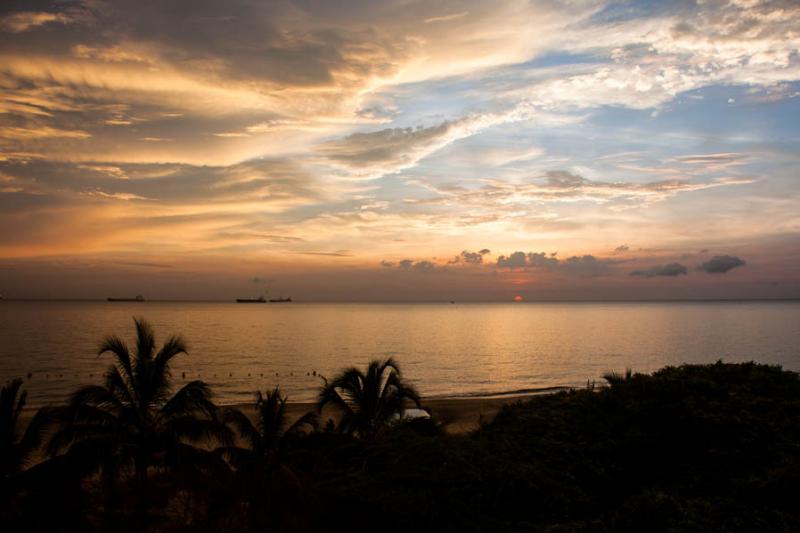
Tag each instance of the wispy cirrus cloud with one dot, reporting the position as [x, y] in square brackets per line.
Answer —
[391, 150]
[564, 186]
[27, 20]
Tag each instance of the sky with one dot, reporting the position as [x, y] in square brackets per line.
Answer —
[400, 150]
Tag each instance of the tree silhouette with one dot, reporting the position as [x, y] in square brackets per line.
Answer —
[17, 449]
[368, 401]
[273, 495]
[266, 438]
[132, 422]
[28, 487]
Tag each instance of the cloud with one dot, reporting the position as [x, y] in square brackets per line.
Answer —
[542, 260]
[267, 182]
[720, 264]
[41, 132]
[114, 195]
[375, 154]
[621, 249]
[560, 186]
[28, 20]
[583, 265]
[108, 170]
[658, 55]
[424, 266]
[411, 265]
[671, 269]
[337, 253]
[445, 18]
[189, 111]
[471, 258]
[718, 161]
[514, 260]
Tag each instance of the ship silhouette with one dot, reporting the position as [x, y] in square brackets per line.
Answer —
[262, 299]
[259, 300]
[137, 298]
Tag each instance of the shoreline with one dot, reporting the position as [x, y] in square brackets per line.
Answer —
[458, 415]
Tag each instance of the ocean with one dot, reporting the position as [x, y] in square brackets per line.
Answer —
[444, 349]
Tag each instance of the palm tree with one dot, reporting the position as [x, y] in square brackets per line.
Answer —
[368, 401]
[132, 422]
[272, 493]
[26, 489]
[17, 450]
[266, 438]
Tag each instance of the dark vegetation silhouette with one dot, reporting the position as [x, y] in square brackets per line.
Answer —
[18, 446]
[133, 422]
[33, 496]
[271, 495]
[368, 401]
[688, 448]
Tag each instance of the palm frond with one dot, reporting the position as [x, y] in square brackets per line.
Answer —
[329, 395]
[190, 459]
[145, 345]
[8, 399]
[67, 437]
[162, 377]
[369, 400]
[309, 420]
[351, 384]
[244, 426]
[120, 388]
[145, 339]
[95, 396]
[271, 416]
[196, 429]
[32, 438]
[195, 396]
[119, 349]
[236, 456]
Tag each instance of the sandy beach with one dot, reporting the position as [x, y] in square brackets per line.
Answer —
[458, 415]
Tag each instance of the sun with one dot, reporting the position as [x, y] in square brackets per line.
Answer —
[518, 298]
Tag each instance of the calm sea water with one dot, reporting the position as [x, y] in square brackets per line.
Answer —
[444, 349]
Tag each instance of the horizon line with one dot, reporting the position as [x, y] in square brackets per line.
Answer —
[443, 301]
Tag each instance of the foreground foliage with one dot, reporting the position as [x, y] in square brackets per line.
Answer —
[269, 494]
[692, 448]
[689, 448]
[369, 401]
[133, 423]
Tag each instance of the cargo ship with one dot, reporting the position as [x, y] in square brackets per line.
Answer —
[137, 298]
[280, 300]
[259, 300]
